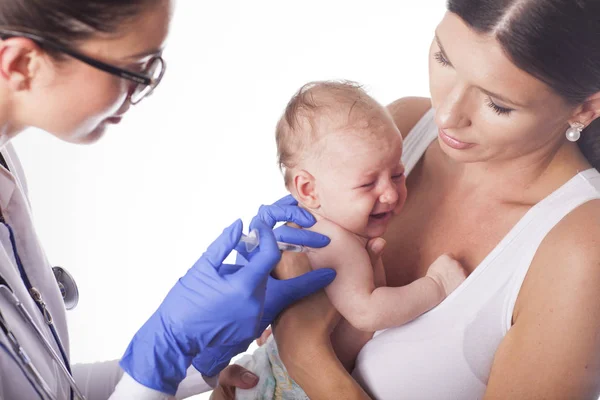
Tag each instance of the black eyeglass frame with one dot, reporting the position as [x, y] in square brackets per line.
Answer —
[136, 77]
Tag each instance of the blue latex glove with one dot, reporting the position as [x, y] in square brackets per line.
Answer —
[216, 310]
[282, 293]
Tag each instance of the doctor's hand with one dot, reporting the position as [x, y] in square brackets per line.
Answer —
[216, 310]
[303, 329]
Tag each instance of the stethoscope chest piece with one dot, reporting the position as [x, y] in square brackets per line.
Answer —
[67, 286]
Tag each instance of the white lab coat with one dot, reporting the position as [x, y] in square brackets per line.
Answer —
[97, 381]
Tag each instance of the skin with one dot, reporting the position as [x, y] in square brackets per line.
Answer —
[40, 91]
[356, 177]
[517, 159]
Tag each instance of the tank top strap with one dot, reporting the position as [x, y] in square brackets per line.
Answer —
[583, 187]
[418, 140]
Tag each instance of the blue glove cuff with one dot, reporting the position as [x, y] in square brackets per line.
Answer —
[212, 360]
[152, 361]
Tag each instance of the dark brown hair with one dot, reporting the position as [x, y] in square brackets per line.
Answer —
[556, 41]
[69, 21]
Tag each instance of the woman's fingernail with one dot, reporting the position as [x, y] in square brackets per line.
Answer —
[249, 378]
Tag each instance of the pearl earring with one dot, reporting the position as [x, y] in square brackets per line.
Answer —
[574, 132]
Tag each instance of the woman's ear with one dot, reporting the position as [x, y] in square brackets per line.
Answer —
[304, 185]
[588, 111]
[19, 62]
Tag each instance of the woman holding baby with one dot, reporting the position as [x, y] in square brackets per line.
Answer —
[501, 173]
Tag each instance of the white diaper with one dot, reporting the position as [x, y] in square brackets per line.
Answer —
[274, 381]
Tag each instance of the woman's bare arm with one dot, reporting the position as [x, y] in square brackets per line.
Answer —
[347, 341]
[553, 349]
[302, 334]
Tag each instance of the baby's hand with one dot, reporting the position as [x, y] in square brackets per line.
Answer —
[375, 249]
[265, 335]
[447, 273]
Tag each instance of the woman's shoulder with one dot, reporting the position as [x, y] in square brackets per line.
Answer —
[556, 320]
[407, 111]
[566, 267]
[576, 237]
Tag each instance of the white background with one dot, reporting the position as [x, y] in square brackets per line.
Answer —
[129, 215]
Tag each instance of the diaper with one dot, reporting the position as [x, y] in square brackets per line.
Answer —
[274, 381]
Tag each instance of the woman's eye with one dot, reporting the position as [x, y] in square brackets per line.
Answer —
[499, 110]
[397, 176]
[367, 185]
[440, 58]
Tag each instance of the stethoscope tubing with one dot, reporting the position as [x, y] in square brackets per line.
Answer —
[9, 295]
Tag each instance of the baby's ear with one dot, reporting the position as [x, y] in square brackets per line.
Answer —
[304, 189]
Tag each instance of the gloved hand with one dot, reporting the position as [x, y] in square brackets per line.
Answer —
[216, 310]
[282, 293]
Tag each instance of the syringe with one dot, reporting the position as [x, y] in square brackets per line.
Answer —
[252, 242]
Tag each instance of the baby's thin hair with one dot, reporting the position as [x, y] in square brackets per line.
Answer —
[316, 109]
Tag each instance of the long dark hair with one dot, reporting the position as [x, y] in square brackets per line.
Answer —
[556, 41]
[68, 21]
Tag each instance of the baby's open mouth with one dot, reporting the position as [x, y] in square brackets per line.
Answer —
[380, 215]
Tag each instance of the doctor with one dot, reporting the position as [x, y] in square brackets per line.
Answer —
[72, 68]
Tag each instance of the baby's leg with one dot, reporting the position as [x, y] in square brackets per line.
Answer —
[274, 381]
[258, 363]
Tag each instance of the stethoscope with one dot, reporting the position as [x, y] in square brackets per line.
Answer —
[70, 294]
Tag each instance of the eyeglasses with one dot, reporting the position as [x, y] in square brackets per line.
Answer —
[145, 81]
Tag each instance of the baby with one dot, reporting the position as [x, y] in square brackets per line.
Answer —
[340, 152]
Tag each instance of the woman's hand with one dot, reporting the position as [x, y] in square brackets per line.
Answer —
[234, 376]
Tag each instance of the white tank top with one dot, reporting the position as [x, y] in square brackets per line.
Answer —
[447, 353]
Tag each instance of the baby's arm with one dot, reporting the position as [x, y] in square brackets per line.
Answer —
[353, 291]
[346, 340]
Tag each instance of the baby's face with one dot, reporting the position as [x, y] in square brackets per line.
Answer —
[360, 179]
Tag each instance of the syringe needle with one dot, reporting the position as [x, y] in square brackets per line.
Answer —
[252, 242]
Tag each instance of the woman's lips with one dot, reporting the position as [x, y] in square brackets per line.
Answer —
[454, 143]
